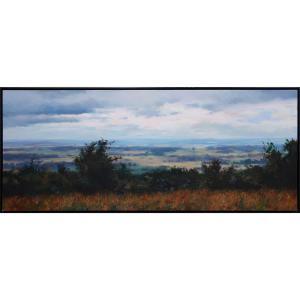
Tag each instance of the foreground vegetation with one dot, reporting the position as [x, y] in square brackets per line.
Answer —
[101, 183]
[183, 200]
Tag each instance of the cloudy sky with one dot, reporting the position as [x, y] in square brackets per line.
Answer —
[113, 114]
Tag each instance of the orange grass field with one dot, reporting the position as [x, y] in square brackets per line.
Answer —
[184, 200]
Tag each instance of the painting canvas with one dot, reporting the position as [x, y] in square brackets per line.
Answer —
[149, 150]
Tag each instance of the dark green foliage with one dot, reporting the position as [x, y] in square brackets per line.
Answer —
[173, 179]
[95, 167]
[274, 166]
[290, 161]
[99, 171]
[253, 177]
[33, 180]
[231, 178]
[212, 174]
[124, 178]
[281, 167]
[217, 178]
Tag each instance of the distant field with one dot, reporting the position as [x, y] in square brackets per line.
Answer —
[184, 200]
[139, 158]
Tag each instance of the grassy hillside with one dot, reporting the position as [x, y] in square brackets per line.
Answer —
[182, 200]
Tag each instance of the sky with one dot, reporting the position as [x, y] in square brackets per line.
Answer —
[134, 114]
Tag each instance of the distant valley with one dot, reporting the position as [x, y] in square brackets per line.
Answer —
[140, 155]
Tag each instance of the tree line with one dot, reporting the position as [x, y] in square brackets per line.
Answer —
[98, 171]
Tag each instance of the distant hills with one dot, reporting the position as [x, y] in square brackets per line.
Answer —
[148, 142]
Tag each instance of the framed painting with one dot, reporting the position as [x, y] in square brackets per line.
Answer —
[150, 149]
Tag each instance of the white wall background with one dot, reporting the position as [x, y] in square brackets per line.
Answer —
[149, 43]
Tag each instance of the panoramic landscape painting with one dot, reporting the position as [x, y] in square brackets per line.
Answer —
[156, 150]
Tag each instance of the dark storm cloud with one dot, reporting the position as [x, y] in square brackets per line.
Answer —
[25, 120]
[59, 109]
[46, 102]
[218, 99]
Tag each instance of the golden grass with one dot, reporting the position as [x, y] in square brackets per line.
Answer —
[183, 200]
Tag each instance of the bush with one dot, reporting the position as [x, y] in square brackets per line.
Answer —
[96, 167]
[173, 179]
